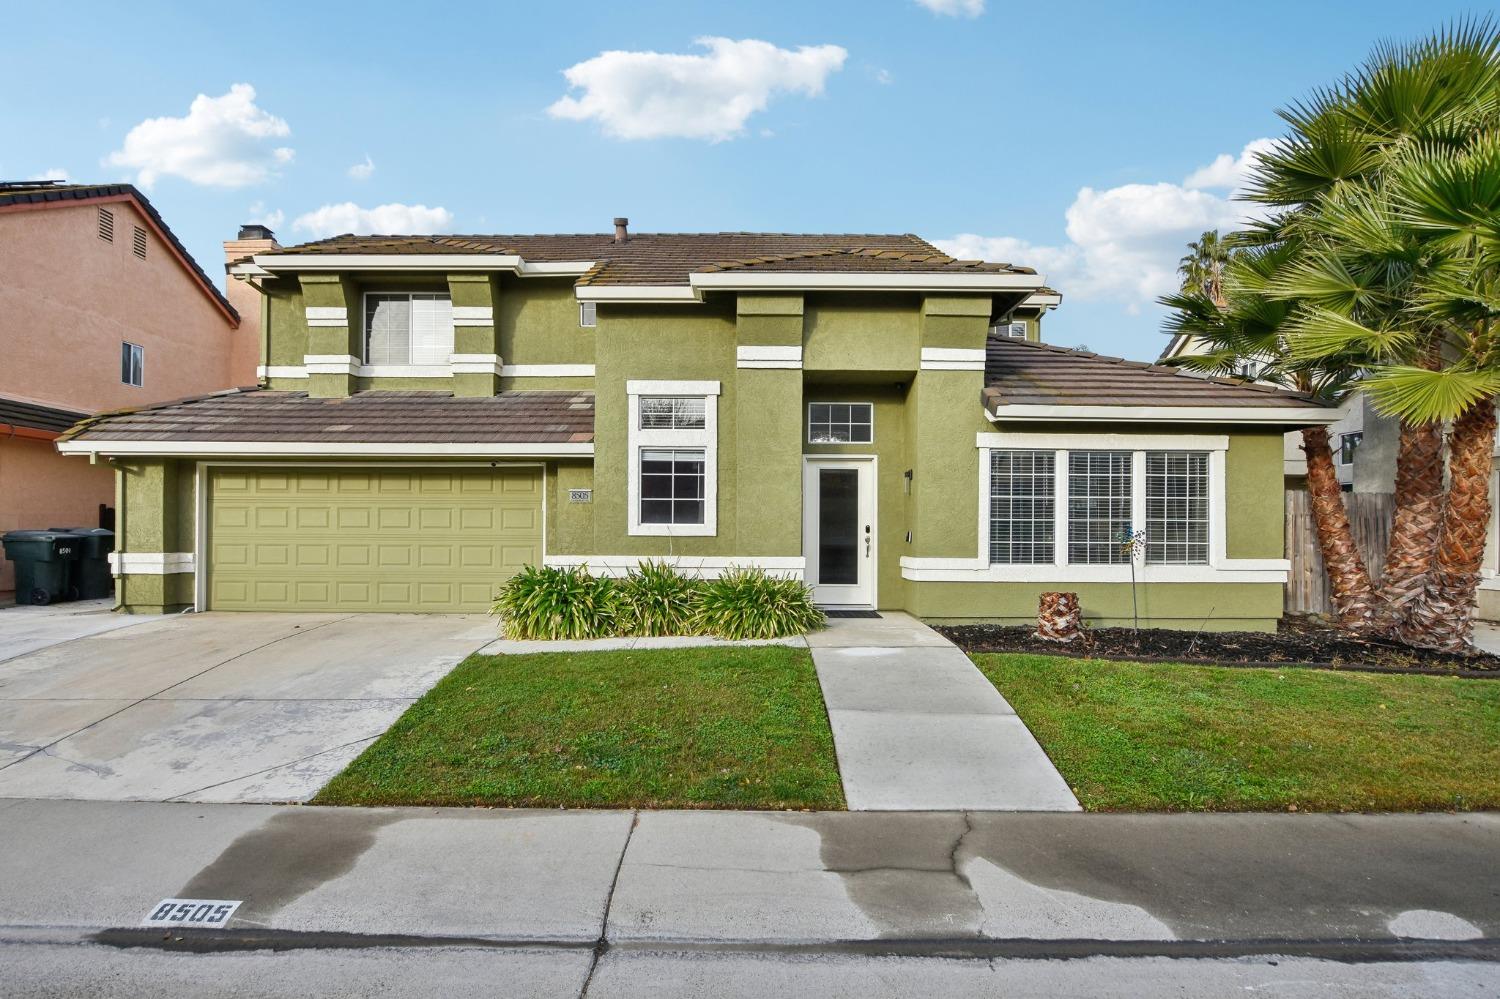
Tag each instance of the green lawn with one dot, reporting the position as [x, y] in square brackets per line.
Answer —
[1130, 736]
[680, 728]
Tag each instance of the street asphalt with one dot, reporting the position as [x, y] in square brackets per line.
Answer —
[398, 901]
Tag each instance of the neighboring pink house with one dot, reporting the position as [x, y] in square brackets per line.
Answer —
[101, 308]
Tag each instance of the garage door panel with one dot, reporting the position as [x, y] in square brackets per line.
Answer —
[391, 540]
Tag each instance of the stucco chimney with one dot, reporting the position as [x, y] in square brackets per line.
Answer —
[622, 232]
[245, 359]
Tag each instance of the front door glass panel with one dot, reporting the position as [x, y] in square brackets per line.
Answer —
[838, 526]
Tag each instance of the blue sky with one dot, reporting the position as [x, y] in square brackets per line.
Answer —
[1080, 138]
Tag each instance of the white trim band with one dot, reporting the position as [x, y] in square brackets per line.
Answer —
[151, 563]
[963, 570]
[1104, 442]
[436, 370]
[475, 364]
[327, 315]
[648, 387]
[548, 371]
[952, 359]
[281, 371]
[1276, 415]
[709, 567]
[473, 315]
[768, 357]
[329, 450]
[272, 262]
[331, 364]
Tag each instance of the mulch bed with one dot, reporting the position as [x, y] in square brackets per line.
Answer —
[1299, 642]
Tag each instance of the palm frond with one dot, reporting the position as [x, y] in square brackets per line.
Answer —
[1423, 396]
[1316, 333]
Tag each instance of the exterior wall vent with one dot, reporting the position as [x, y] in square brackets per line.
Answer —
[139, 246]
[106, 225]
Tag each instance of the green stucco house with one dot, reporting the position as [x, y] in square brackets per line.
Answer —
[860, 411]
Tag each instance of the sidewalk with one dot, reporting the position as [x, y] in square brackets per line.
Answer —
[355, 902]
[916, 726]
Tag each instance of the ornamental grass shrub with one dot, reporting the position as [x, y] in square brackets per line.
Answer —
[747, 603]
[553, 602]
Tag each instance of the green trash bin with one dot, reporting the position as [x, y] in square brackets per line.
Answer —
[43, 564]
[91, 574]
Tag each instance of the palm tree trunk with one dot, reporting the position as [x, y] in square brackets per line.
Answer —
[1355, 601]
[1419, 512]
[1442, 615]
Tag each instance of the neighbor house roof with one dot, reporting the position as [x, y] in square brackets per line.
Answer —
[25, 195]
[654, 258]
[395, 421]
[47, 421]
[1032, 380]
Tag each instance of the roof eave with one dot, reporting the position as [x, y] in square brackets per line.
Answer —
[1280, 416]
[304, 449]
[272, 263]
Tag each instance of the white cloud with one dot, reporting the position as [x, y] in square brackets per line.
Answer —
[1124, 242]
[222, 142]
[408, 220]
[269, 219]
[884, 76]
[653, 95]
[52, 173]
[1229, 172]
[954, 8]
[362, 171]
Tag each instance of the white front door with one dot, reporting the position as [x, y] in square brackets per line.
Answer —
[838, 530]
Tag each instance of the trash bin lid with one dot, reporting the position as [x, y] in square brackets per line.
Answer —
[51, 534]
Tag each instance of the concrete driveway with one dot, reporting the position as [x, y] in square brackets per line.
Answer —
[216, 707]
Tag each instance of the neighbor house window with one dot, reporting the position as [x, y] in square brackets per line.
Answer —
[1022, 506]
[1099, 500]
[673, 452]
[1177, 507]
[1348, 444]
[1013, 331]
[408, 328]
[840, 422]
[672, 486]
[588, 314]
[132, 364]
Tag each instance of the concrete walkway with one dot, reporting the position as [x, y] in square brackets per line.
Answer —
[26, 628]
[917, 727]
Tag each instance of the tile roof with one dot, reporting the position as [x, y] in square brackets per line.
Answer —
[656, 258]
[375, 417]
[1018, 373]
[37, 417]
[44, 192]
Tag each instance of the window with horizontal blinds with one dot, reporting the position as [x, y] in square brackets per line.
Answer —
[663, 412]
[408, 328]
[1177, 507]
[1023, 491]
[1099, 507]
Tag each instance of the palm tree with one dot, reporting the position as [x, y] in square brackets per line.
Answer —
[1370, 285]
[1248, 322]
[1202, 267]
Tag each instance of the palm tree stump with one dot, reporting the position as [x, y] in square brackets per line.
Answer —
[1059, 618]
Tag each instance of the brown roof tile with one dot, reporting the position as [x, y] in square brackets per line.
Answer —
[1018, 373]
[37, 417]
[369, 417]
[654, 258]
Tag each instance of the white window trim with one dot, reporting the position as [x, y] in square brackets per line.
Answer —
[1220, 568]
[438, 369]
[706, 440]
[135, 347]
[581, 307]
[825, 402]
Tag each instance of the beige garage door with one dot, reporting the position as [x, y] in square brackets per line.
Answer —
[369, 539]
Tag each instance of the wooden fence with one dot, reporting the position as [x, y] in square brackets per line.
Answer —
[1370, 521]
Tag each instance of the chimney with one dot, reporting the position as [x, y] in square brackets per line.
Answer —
[244, 354]
[621, 232]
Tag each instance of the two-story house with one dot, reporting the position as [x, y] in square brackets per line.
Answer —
[101, 308]
[859, 411]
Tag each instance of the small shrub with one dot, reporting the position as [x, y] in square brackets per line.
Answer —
[549, 602]
[655, 599]
[747, 603]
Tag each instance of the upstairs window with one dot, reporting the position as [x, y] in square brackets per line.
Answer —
[1348, 444]
[840, 422]
[138, 243]
[106, 225]
[1015, 331]
[588, 314]
[132, 364]
[668, 412]
[408, 328]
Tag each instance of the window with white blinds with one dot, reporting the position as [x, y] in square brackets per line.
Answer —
[408, 328]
